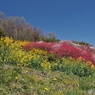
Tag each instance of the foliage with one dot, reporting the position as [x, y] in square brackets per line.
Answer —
[2, 34]
[39, 57]
[19, 29]
[36, 71]
[46, 67]
[45, 39]
[89, 48]
[70, 66]
[39, 45]
[62, 50]
[18, 80]
[81, 43]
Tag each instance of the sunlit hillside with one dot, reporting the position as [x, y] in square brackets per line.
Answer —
[33, 62]
[46, 68]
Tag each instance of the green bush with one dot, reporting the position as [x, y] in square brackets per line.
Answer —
[2, 34]
[81, 43]
[45, 39]
[76, 67]
[82, 70]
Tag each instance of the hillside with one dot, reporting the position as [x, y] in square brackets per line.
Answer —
[46, 68]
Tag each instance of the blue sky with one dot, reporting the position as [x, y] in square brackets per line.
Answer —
[68, 19]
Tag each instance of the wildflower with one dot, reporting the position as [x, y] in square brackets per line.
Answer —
[16, 78]
[8, 40]
[46, 89]
[55, 79]
[89, 63]
[92, 66]
[46, 65]
[26, 71]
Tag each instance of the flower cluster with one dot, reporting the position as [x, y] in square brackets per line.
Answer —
[46, 56]
[62, 50]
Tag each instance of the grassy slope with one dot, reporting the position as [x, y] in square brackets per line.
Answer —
[25, 81]
[20, 80]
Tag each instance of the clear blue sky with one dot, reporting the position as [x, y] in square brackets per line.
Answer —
[68, 19]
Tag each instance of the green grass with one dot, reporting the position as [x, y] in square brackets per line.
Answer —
[26, 81]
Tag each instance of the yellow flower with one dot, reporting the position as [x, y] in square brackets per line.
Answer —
[16, 78]
[55, 79]
[89, 63]
[46, 65]
[26, 71]
[22, 43]
[8, 40]
[92, 66]
[46, 89]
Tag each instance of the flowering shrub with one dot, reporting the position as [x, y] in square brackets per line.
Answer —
[46, 59]
[39, 45]
[39, 51]
[62, 50]
[89, 48]
[67, 51]
[23, 43]
[12, 53]
[28, 46]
